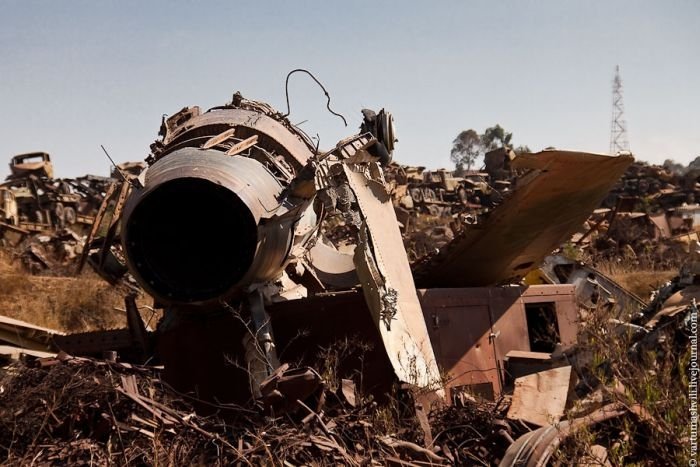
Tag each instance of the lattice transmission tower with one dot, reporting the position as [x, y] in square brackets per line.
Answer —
[618, 126]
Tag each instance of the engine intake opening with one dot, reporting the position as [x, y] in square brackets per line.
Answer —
[191, 240]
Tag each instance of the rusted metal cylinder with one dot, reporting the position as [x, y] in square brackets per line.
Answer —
[199, 230]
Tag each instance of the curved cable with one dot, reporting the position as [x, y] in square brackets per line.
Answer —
[328, 102]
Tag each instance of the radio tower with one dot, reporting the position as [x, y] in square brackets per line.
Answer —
[618, 127]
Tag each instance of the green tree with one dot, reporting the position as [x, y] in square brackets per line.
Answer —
[469, 145]
[495, 137]
[674, 167]
[694, 164]
[466, 147]
[522, 149]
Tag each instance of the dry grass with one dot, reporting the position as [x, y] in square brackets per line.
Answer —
[651, 378]
[6, 263]
[68, 304]
[638, 281]
[64, 303]
[642, 283]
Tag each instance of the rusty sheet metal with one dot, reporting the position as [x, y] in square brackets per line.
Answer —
[522, 362]
[458, 320]
[534, 449]
[204, 354]
[540, 398]
[460, 329]
[26, 335]
[661, 223]
[472, 330]
[101, 213]
[331, 266]
[387, 283]
[549, 204]
[327, 320]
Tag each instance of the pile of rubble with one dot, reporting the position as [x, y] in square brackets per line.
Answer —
[649, 217]
[67, 410]
[613, 397]
[58, 410]
[467, 351]
[53, 253]
[44, 220]
[433, 206]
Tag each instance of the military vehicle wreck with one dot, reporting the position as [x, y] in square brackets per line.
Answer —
[33, 201]
[43, 219]
[264, 252]
[650, 216]
[261, 249]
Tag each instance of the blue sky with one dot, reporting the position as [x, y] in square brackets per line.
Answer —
[79, 74]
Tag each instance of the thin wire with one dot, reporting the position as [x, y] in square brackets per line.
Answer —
[328, 102]
[124, 177]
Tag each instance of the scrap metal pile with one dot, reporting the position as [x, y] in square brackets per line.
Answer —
[58, 410]
[104, 412]
[296, 329]
[43, 219]
[435, 205]
[649, 216]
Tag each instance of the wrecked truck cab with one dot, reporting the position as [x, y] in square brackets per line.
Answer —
[32, 163]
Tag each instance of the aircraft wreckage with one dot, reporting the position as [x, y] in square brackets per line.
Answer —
[232, 227]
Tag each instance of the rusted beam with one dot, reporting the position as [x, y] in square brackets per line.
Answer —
[218, 139]
[242, 146]
[96, 226]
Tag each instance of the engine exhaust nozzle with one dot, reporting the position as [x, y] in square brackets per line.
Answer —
[191, 235]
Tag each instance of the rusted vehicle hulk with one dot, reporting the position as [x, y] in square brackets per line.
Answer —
[256, 261]
[32, 163]
[31, 200]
